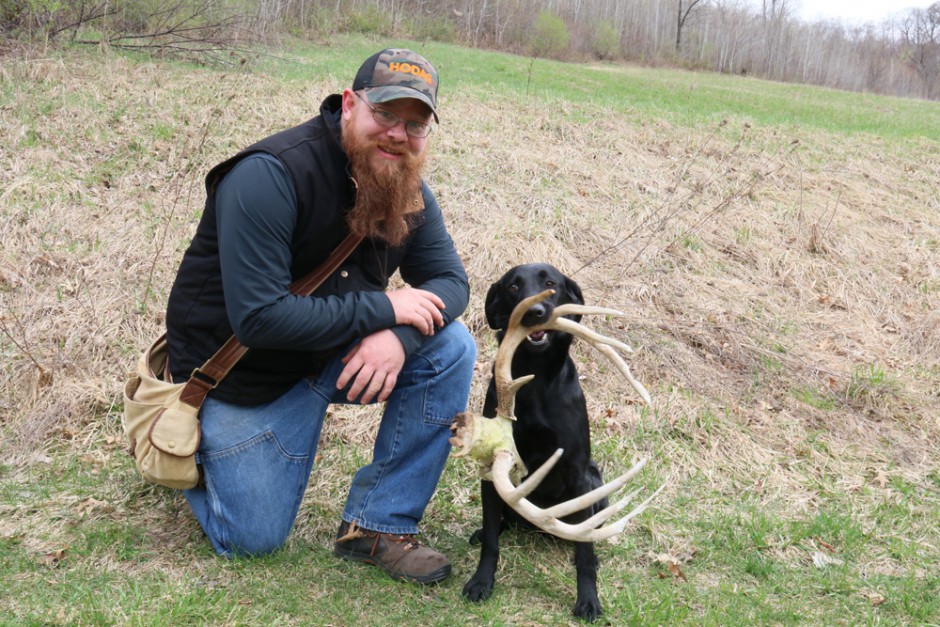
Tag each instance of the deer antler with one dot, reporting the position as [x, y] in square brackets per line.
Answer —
[489, 441]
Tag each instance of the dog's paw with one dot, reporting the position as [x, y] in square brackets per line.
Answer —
[478, 590]
[588, 609]
[475, 536]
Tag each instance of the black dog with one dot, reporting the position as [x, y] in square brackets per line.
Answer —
[550, 413]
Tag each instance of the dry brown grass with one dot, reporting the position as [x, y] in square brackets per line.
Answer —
[756, 268]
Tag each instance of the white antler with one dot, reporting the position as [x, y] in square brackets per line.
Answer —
[489, 441]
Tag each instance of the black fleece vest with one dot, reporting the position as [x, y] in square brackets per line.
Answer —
[197, 323]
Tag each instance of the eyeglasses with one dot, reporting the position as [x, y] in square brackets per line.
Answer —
[390, 120]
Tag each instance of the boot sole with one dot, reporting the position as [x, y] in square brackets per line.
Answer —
[433, 577]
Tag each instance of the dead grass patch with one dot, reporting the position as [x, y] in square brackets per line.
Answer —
[761, 275]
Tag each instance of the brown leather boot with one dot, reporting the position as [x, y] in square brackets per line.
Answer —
[401, 556]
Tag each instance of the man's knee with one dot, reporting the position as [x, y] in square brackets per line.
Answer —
[249, 532]
[459, 348]
[253, 544]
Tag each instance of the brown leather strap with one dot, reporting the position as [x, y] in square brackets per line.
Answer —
[207, 377]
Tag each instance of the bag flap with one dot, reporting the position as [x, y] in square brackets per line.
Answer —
[175, 432]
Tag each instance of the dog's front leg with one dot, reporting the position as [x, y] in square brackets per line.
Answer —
[480, 586]
[587, 605]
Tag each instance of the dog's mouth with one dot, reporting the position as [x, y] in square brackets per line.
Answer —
[538, 338]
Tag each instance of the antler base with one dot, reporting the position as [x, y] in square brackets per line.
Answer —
[481, 438]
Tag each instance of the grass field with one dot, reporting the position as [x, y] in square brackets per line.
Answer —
[775, 250]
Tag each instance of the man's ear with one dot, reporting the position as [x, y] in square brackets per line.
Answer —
[496, 315]
[349, 101]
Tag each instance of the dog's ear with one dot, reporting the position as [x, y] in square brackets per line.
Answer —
[573, 296]
[495, 308]
[573, 292]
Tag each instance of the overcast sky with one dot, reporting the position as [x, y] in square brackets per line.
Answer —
[856, 11]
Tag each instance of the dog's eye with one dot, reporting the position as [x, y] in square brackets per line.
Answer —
[513, 288]
[550, 284]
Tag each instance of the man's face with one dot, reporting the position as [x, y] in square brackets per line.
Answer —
[385, 146]
[386, 166]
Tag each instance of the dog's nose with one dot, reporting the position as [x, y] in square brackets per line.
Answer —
[537, 314]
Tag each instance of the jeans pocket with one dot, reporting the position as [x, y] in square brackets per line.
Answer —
[438, 408]
[265, 444]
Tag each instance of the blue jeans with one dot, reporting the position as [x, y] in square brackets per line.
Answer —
[257, 460]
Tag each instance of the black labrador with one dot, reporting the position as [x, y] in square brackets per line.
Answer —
[550, 413]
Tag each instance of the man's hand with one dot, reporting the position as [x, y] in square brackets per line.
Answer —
[375, 363]
[418, 308]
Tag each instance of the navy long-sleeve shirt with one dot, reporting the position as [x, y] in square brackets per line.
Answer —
[256, 213]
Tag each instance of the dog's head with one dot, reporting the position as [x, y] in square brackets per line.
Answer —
[527, 280]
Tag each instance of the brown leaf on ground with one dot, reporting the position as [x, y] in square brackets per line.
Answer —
[53, 559]
[676, 571]
[875, 599]
[826, 545]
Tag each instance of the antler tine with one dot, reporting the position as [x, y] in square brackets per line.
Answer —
[506, 386]
[582, 532]
[609, 531]
[576, 328]
[585, 500]
[533, 480]
[625, 371]
[570, 309]
[602, 516]
[600, 342]
[589, 498]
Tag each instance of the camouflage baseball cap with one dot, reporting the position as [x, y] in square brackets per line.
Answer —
[397, 73]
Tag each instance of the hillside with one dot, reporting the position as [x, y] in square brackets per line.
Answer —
[780, 282]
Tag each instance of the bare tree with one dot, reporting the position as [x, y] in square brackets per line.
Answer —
[681, 17]
[201, 30]
[920, 33]
[775, 15]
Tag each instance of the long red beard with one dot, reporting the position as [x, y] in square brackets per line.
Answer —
[384, 196]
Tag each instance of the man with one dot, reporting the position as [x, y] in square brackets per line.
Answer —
[273, 213]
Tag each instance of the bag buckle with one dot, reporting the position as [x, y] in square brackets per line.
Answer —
[204, 379]
[197, 388]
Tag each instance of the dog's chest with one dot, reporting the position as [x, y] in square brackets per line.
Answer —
[556, 406]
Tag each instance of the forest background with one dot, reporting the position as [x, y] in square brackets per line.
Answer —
[898, 56]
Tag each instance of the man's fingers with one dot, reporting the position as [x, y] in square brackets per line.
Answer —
[349, 371]
[360, 383]
[437, 305]
[431, 315]
[372, 367]
[427, 317]
[390, 381]
[347, 375]
[377, 386]
[434, 298]
[435, 302]
[422, 319]
[418, 308]
[438, 317]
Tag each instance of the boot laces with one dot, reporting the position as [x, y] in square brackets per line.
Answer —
[354, 532]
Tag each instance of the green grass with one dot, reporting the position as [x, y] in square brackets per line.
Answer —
[814, 398]
[750, 562]
[84, 542]
[681, 97]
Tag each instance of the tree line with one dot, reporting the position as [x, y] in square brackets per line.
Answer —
[764, 38]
